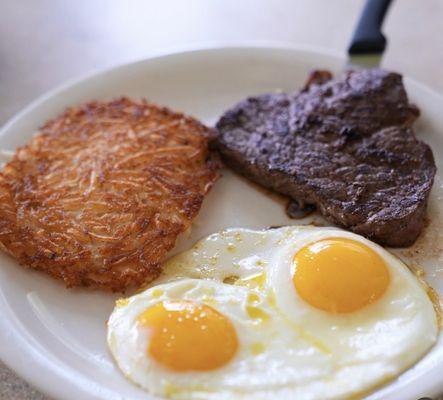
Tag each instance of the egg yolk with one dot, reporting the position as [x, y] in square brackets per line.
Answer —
[188, 336]
[339, 275]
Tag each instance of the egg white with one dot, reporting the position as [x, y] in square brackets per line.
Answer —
[232, 253]
[265, 359]
[369, 345]
[306, 353]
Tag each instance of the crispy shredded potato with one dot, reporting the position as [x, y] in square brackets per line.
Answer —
[99, 195]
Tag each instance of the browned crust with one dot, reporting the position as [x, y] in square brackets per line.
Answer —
[98, 197]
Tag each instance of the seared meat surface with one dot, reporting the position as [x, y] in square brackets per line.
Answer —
[344, 145]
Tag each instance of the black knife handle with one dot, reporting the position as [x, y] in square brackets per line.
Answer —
[368, 38]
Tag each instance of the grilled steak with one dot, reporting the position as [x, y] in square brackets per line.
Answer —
[344, 145]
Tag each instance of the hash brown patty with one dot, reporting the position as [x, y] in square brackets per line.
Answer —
[99, 195]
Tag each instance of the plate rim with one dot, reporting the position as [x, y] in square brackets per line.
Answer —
[161, 54]
[36, 372]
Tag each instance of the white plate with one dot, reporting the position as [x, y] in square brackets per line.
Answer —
[55, 338]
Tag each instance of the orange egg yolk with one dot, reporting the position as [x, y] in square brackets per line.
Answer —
[339, 275]
[188, 336]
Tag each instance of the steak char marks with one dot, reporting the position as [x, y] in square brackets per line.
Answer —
[345, 146]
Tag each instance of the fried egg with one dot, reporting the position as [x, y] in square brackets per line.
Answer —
[294, 312]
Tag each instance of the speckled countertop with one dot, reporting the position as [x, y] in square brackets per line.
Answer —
[43, 43]
[14, 388]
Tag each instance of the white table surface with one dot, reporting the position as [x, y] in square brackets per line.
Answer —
[43, 43]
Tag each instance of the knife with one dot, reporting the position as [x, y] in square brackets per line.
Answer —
[368, 42]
